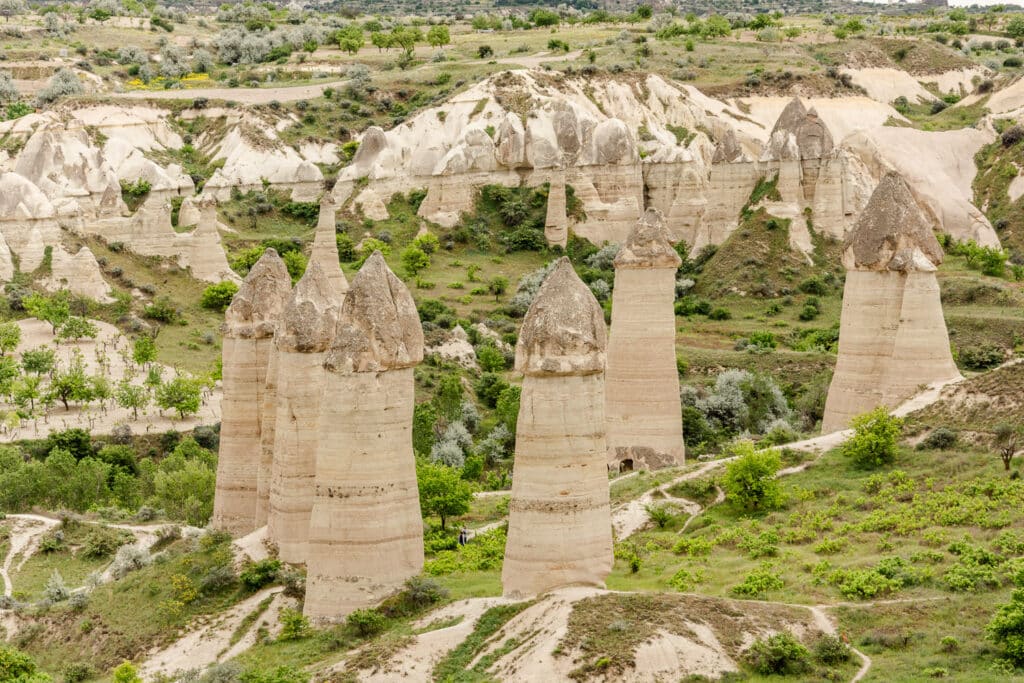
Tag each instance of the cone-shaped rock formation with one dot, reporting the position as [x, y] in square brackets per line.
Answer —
[249, 325]
[892, 335]
[325, 246]
[365, 530]
[559, 529]
[303, 336]
[642, 384]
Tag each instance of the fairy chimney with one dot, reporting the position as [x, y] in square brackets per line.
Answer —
[892, 334]
[642, 385]
[325, 245]
[303, 336]
[249, 325]
[559, 530]
[365, 529]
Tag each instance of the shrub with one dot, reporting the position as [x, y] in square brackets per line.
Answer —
[1012, 135]
[64, 83]
[873, 443]
[940, 439]
[55, 590]
[15, 665]
[750, 479]
[719, 313]
[981, 357]
[294, 626]
[780, 654]
[103, 542]
[661, 515]
[256, 575]
[129, 558]
[76, 672]
[759, 582]
[218, 297]
[366, 622]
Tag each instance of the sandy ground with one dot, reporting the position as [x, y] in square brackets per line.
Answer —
[104, 355]
[252, 546]
[535, 60]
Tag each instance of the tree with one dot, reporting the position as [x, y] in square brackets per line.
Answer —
[873, 443]
[442, 490]
[132, 396]
[181, 393]
[71, 384]
[39, 361]
[75, 328]
[380, 40]
[144, 350]
[350, 39]
[716, 26]
[10, 337]
[10, 8]
[26, 392]
[498, 286]
[1006, 440]
[544, 17]
[414, 260]
[750, 479]
[438, 36]
[1007, 625]
[1015, 26]
[9, 372]
[218, 297]
[54, 310]
[448, 399]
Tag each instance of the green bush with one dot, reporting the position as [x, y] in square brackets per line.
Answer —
[780, 654]
[218, 297]
[256, 575]
[366, 622]
[873, 443]
[758, 583]
[294, 625]
[15, 665]
[749, 480]
[719, 313]
[981, 357]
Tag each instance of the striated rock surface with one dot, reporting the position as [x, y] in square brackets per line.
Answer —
[305, 332]
[249, 326]
[325, 247]
[559, 530]
[365, 530]
[642, 384]
[79, 273]
[892, 334]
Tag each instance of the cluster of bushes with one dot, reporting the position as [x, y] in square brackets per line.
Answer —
[738, 402]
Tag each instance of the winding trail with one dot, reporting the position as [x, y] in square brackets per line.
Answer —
[26, 531]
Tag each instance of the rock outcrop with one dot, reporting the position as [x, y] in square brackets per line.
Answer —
[79, 273]
[892, 334]
[642, 384]
[365, 530]
[559, 530]
[325, 246]
[303, 336]
[249, 326]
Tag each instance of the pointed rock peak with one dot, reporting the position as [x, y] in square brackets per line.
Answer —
[791, 117]
[648, 245]
[728, 148]
[371, 144]
[311, 314]
[259, 301]
[893, 232]
[563, 333]
[379, 328]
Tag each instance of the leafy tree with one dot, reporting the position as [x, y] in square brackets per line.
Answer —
[144, 350]
[424, 418]
[27, 391]
[414, 260]
[54, 310]
[490, 359]
[498, 286]
[181, 393]
[380, 40]
[71, 384]
[442, 490]
[9, 372]
[132, 396]
[39, 361]
[1007, 437]
[448, 399]
[350, 39]
[873, 443]
[506, 409]
[750, 479]
[716, 26]
[1015, 26]
[438, 36]
[544, 17]
[10, 337]
[218, 297]
[15, 665]
[75, 328]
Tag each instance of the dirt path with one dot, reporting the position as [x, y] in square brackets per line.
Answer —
[25, 534]
[244, 95]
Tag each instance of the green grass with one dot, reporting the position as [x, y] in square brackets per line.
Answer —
[456, 664]
[70, 561]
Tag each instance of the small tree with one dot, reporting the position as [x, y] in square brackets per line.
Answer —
[1007, 626]
[414, 260]
[75, 328]
[442, 491]
[132, 396]
[144, 350]
[438, 36]
[10, 337]
[39, 361]
[873, 443]
[181, 393]
[218, 297]
[485, 51]
[350, 39]
[54, 310]
[1007, 437]
[126, 673]
[750, 478]
[71, 384]
[498, 286]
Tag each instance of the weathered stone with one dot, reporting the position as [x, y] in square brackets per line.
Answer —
[249, 327]
[559, 530]
[325, 246]
[365, 530]
[642, 405]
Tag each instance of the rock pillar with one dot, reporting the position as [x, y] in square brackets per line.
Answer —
[303, 335]
[249, 325]
[365, 529]
[325, 246]
[556, 222]
[642, 406]
[559, 530]
[892, 334]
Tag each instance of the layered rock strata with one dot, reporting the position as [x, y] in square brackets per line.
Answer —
[304, 334]
[325, 246]
[559, 530]
[642, 384]
[249, 326]
[892, 334]
[365, 528]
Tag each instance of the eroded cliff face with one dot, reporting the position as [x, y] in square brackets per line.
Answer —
[642, 406]
[559, 530]
[892, 334]
[365, 527]
[250, 323]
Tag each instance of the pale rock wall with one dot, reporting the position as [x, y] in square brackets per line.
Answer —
[80, 274]
[559, 529]
[556, 222]
[252, 153]
[268, 435]
[325, 247]
[6, 262]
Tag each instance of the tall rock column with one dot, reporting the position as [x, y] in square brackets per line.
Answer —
[325, 245]
[892, 334]
[268, 436]
[365, 528]
[249, 325]
[559, 530]
[642, 407]
[556, 222]
[303, 336]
